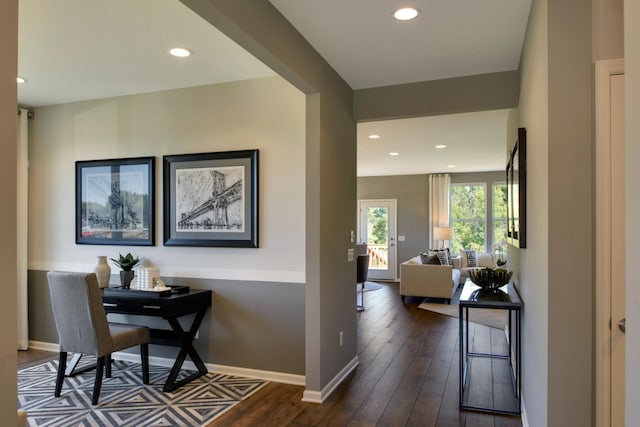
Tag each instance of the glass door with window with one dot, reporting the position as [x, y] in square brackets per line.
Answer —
[377, 228]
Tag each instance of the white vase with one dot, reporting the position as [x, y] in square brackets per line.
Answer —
[103, 271]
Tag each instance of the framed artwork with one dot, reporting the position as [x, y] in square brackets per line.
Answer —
[115, 202]
[517, 192]
[211, 199]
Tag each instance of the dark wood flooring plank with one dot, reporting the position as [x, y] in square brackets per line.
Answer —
[407, 376]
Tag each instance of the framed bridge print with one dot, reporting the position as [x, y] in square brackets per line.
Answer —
[115, 201]
[211, 199]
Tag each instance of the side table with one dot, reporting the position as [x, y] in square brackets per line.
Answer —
[505, 298]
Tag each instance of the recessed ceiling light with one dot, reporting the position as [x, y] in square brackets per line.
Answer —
[180, 52]
[393, 153]
[405, 14]
[451, 166]
[440, 146]
[20, 79]
[374, 136]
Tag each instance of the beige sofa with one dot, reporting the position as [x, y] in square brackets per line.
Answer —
[428, 280]
[482, 260]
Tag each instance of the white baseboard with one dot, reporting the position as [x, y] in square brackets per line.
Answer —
[320, 396]
[279, 377]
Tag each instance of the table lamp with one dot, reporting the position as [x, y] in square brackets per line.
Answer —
[442, 233]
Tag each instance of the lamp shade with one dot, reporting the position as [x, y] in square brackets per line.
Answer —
[442, 233]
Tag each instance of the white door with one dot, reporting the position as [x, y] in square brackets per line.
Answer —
[618, 248]
[377, 228]
[610, 244]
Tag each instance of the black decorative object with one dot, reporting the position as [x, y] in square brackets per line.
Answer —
[489, 278]
[115, 202]
[211, 199]
[517, 192]
[126, 276]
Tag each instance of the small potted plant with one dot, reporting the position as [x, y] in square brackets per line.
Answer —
[126, 264]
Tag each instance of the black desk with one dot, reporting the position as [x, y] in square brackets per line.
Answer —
[170, 308]
[505, 298]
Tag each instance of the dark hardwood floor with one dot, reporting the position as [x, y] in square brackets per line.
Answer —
[407, 376]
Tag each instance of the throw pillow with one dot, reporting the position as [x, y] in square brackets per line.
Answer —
[471, 258]
[429, 259]
[442, 254]
[463, 258]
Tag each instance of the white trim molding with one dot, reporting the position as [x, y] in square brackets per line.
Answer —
[278, 377]
[278, 276]
[320, 396]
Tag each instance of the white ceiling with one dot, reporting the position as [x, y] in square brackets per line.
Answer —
[74, 50]
[449, 38]
[475, 143]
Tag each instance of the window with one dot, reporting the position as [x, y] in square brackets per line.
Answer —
[468, 217]
[499, 237]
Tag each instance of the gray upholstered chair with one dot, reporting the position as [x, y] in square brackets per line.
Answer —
[82, 327]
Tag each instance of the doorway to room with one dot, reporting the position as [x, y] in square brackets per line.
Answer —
[377, 228]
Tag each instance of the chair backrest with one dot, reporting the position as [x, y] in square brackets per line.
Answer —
[362, 268]
[80, 318]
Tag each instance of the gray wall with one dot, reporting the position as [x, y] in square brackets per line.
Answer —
[8, 224]
[412, 195]
[330, 175]
[257, 318]
[253, 325]
[555, 274]
[632, 154]
[457, 95]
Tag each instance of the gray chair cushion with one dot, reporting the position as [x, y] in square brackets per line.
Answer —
[125, 336]
[81, 320]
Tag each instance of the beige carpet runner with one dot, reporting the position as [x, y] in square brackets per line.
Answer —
[482, 316]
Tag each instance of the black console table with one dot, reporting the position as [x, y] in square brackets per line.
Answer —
[505, 298]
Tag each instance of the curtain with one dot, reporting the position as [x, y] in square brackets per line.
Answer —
[439, 185]
[22, 224]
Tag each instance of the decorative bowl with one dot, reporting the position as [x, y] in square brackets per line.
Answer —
[488, 278]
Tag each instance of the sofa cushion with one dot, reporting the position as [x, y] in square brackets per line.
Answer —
[443, 255]
[471, 258]
[429, 259]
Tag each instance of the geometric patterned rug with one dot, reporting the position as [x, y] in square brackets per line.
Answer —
[124, 400]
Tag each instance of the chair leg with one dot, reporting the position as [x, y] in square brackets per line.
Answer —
[108, 367]
[360, 307]
[144, 357]
[98, 381]
[62, 366]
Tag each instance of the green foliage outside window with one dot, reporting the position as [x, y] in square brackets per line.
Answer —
[377, 219]
[468, 217]
[499, 218]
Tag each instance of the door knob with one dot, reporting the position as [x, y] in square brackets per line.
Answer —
[622, 325]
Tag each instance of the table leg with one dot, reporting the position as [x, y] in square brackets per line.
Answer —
[461, 352]
[186, 348]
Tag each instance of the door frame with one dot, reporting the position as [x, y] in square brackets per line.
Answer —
[603, 325]
[393, 232]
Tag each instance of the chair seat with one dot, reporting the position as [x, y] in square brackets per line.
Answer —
[125, 336]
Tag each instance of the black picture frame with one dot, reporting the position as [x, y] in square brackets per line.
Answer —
[517, 192]
[115, 202]
[211, 199]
